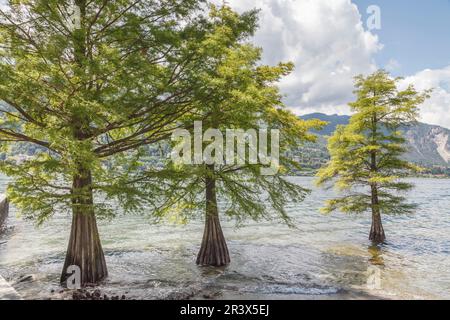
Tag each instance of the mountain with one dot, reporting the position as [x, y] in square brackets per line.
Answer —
[332, 120]
[428, 145]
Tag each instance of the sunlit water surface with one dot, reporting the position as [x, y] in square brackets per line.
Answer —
[326, 256]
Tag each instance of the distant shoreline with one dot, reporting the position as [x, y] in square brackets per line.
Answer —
[427, 176]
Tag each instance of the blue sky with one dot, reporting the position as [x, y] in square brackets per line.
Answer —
[415, 33]
[329, 43]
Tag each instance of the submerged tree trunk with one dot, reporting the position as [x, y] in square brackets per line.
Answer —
[84, 249]
[376, 232]
[214, 250]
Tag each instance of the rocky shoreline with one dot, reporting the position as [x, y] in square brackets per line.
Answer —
[84, 294]
[7, 292]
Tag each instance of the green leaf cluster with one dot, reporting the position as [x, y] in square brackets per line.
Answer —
[366, 154]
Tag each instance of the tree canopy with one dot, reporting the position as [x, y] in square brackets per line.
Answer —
[117, 80]
[245, 96]
[366, 163]
[91, 83]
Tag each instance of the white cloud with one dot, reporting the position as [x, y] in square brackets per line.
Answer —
[436, 110]
[3, 5]
[329, 46]
[392, 65]
[327, 42]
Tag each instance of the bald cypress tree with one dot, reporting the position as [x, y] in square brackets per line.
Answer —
[366, 163]
[86, 83]
[240, 94]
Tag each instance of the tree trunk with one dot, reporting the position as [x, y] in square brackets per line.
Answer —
[84, 249]
[376, 232]
[214, 250]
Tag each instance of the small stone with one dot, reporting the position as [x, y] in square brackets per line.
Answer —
[27, 278]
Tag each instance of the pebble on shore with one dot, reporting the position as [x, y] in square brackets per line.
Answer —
[83, 294]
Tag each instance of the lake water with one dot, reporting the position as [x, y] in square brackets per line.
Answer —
[326, 256]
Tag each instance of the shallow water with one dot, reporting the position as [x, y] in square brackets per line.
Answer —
[326, 256]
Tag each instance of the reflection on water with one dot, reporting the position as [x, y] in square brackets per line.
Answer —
[376, 255]
[326, 256]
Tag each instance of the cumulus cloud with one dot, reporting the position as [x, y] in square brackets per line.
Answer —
[392, 65]
[4, 5]
[327, 42]
[329, 45]
[436, 110]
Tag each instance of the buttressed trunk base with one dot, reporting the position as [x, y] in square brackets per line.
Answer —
[214, 250]
[376, 231]
[84, 249]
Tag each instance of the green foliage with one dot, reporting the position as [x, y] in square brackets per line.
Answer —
[91, 95]
[366, 154]
[239, 94]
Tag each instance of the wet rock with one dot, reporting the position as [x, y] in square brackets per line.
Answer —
[186, 295]
[212, 295]
[83, 294]
[77, 295]
[26, 278]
